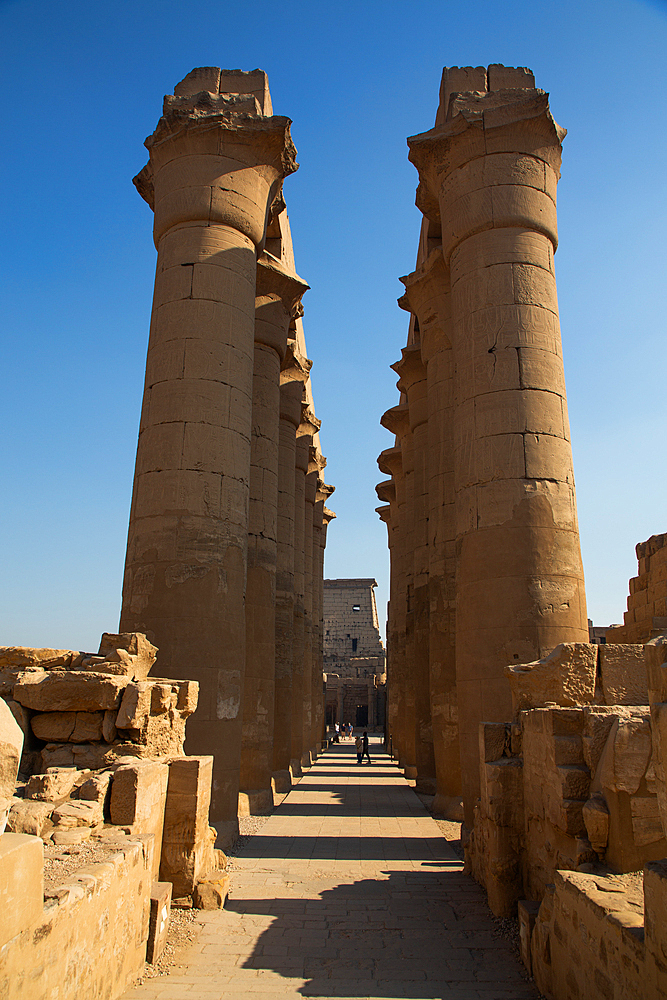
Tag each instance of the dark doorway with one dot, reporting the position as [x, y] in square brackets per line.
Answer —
[362, 715]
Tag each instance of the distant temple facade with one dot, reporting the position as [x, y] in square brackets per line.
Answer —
[354, 656]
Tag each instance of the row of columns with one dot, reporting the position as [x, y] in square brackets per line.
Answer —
[228, 522]
[480, 507]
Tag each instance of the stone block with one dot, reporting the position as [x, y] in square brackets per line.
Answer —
[45, 659]
[566, 677]
[596, 821]
[135, 706]
[129, 653]
[66, 836]
[21, 884]
[138, 795]
[655, 657]
[493, 738]
[258, 802]
[74, 727]
[187, 846]
[598, 723]
[655, 927]
[646, 823]
[158, 927]
[30, 817]
[632, 753]
[624, 674]
[78, 813]
[11, 747]
[527, 911]
[211, 891]
[69, 690]
[97, 788]
[53, 786]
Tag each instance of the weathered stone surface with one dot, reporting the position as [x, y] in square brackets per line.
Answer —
[78, 813]
[624, 674]
[159, 920]
[47, 659]
[69, 690]
[128, 653]
[596, 820]
[646, 824]
[187, 849]
[632, 752]
[135, 706]
[598, 722]
[29, 816]
[64, 836]
[94, 756]
[97, 788]
[655, 657]
[21, 884]
[51, 787]
[138, 794]
[74, 727]
[565, 677]
[211, 891]
[11, 747]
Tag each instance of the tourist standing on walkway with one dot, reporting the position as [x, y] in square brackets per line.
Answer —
[359, 746]
[364, 747]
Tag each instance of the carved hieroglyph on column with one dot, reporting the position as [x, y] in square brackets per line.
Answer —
[488, 178]
[277, 294]
[217, 161]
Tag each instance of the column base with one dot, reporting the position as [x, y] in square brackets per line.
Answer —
[314, 753]
[426, 785]
[281, 781]
[448, 807]
[306, 759]
[410, 772]
[257, 802]
[295, 768]
[227, 832]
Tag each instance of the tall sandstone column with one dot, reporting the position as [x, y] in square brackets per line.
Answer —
[216, 166]
[427, 295]
[291, 394]
[488, 176]
[412, 382]
[277, 294]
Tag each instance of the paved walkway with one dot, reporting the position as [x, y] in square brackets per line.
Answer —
[349, 890]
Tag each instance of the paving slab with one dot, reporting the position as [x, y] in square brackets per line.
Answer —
[348, 890]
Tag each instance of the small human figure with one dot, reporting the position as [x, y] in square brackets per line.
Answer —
[351, 731]
[364, 748]
[359, 744]
[336, 733]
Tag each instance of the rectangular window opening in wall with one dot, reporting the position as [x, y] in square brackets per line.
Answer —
[354, 645]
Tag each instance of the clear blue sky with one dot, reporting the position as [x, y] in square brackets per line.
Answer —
[82, 86]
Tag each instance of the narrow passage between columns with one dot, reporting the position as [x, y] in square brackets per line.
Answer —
[348, 890]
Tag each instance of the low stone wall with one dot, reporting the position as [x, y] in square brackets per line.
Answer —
[87, 939]
[600, 937]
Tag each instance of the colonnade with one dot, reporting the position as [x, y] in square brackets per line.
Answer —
[480, 507]
[228, 521]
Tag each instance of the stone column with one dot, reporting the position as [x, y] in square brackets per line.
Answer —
[427, 293]
[216, 166]
[308, 426]
[490, 173]
[412, 381]
[324, 491]
[277, 295]
[308, 693]
[291, 393]
[386, 491]
[391, 463]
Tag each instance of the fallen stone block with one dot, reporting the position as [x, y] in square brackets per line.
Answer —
[78, 813]
[69, 690]
[24, 656]
[211, 890]
[566, 677]
[596, 821]
[646, 824]
[135, 706]
[187, 846]
[69, 837]
[158, 926]
[11, 748]
[29, 816]
[655, 657]
[129, 650]
[53, 786]
[138, 794]
[97, 788]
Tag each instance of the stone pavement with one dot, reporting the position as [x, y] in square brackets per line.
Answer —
[348, 890]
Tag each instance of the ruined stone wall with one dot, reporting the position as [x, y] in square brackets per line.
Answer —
[646, 616]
